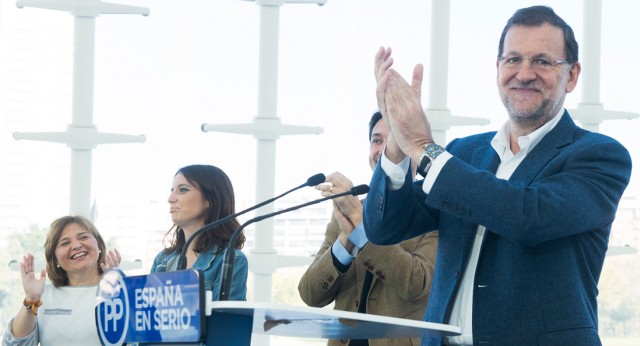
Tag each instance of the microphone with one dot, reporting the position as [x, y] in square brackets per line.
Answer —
[230, 255]
[182, 260]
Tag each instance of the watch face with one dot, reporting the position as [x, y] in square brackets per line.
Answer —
[430, 153]
[433, 150]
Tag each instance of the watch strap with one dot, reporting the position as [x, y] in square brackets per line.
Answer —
[424, 165]
[429, 154]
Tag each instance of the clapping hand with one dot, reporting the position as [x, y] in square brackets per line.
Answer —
[112, 260]
[401, 107]
[349, 206]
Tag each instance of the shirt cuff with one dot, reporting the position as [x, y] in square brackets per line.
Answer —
[341, 253]
[358, 237]
[434, 171]
[396, 173]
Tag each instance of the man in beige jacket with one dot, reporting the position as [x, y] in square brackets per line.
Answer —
[360, 276]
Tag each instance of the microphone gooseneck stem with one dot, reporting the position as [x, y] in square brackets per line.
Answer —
[182, 260]
[230, 254]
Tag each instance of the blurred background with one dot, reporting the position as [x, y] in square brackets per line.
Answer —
[196, 61]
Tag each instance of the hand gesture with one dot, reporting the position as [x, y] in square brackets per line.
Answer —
[33, 285]
[383, 62]
[401, 106]
[349, 206]
[112, 260]
[346, 227]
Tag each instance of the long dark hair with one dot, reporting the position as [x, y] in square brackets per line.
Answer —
[216, 188]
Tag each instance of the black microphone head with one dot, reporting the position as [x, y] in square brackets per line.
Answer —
[360, 189]
[316, 179]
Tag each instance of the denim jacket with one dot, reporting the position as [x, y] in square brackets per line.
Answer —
[210, 263]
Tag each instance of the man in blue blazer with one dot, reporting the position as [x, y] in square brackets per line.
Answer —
[524, 213]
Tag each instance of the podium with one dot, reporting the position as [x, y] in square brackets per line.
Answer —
[309, 322]
[171, 308]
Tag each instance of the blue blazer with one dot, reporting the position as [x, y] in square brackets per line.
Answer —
[547, 233]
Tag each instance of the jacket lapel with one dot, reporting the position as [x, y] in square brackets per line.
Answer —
[547, 149]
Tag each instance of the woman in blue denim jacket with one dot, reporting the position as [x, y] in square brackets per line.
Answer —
[200, 195]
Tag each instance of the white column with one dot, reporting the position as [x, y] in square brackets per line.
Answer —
[263, 253]
[81, 135]
[266, 128]
[82, 113]
[590, 111]
[439, 115]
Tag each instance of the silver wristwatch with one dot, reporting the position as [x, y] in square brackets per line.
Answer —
[430, 152]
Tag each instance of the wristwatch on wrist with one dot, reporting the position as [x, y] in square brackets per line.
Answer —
[430, 152]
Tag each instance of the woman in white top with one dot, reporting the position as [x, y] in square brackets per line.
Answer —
[62, 313]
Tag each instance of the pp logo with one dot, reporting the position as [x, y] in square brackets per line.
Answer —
[112, 309]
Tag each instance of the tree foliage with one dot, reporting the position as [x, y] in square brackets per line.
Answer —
[619, 299]
[28, 240]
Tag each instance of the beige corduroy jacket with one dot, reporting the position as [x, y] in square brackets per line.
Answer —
[402, 276]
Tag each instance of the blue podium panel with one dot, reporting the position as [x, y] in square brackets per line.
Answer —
[166, 308]
[229, 329]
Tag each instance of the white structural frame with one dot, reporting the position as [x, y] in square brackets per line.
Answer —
[267, 128]
[81, 135]
[590, 111]
[439, 115]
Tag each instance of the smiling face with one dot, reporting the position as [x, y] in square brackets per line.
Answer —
[187, 206]
[77, 250]
[534, 96]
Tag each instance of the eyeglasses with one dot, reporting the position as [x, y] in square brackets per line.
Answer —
[537, 63]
